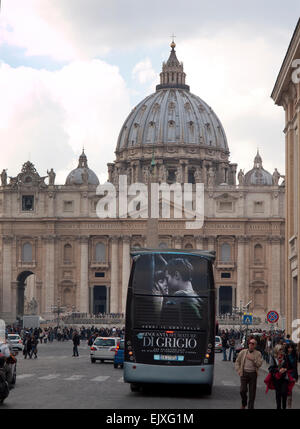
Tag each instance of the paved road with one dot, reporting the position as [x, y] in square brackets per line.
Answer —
[57, 380]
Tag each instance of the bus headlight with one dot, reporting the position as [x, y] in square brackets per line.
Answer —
[207, 356]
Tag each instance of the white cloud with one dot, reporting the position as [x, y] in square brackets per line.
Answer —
[77, 29]
[50, 116]
[235, 78]
[144, 72]
[231, 53]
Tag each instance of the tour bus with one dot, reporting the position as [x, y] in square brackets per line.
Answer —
[170, 318]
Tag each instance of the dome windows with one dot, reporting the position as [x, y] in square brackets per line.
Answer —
[172, 109]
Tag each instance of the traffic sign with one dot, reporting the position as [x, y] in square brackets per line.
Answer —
[247, 319]
[272, 316]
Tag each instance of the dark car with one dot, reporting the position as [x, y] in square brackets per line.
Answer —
[119, 355]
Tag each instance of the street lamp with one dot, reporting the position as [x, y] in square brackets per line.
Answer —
[58, 309]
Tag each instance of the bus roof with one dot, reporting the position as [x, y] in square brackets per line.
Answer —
[209, 254]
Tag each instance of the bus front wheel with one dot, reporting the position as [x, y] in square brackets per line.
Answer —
[134, 387]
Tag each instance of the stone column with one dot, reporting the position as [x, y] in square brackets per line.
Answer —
[199, 242]
[125, 271]
[178, 242]
[84, 275]
[114, 275]
[39, 297]
[91, 300]
[275, 273]
[7, 278]
[14, 287]
[51, 198]
[240, 286]
[84, 203]
[49, 274]
[211, 243]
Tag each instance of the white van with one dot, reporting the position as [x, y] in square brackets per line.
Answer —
[104, 348]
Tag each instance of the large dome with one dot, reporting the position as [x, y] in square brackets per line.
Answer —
[172, 115]
[174, 136]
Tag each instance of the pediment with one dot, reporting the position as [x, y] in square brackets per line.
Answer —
[226, 197]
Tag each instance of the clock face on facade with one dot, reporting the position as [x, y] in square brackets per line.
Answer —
[28, 179]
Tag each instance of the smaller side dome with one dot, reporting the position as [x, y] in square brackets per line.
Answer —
[258, 175]
[82, 175]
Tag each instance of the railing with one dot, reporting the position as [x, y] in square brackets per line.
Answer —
[236, 320]
[86, 319]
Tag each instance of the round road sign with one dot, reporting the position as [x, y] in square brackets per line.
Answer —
[272, 316]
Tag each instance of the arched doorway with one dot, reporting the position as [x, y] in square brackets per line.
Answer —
[26, 294]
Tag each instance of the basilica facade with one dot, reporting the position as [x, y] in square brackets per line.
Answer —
[55, 250]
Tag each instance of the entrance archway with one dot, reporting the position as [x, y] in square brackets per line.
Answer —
[26, 291]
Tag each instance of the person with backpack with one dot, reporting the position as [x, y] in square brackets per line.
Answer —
[4, 376]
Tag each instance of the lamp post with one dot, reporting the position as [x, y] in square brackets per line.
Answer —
[58, 309]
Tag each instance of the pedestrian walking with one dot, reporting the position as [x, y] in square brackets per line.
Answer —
[280, 379]
[224, 346]
[292, 368]
[247, 365]
[76, 343]
[34, 344]
[231, 348]
[27, 347]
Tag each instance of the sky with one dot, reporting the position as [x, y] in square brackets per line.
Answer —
[72, 70]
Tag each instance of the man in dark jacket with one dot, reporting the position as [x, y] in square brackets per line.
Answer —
[76, 342]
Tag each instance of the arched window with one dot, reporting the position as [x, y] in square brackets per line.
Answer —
[100, 252]
[258, 254]
[225, 252]
[188, 246]
[68, 253]
[163, 245]
[27, 252]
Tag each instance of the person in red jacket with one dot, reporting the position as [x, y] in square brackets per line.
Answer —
[280, 379]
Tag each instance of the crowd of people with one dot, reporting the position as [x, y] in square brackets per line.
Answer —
[248, 348]
[278, 351]
[49, 334]
[87, 316]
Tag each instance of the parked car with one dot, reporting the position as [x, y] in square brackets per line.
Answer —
[15, 341]
[104, 349]
[119, 355]
[218, 344]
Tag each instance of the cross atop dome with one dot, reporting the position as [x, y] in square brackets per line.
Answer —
[172, 75]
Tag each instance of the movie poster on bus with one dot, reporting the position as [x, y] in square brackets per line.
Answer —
[171, 292]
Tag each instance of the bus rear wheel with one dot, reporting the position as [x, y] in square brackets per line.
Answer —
[134, 387]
